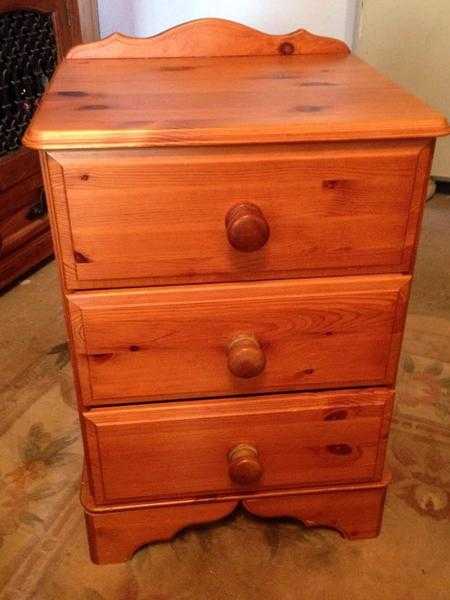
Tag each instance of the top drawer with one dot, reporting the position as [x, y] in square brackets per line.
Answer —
[168, 215]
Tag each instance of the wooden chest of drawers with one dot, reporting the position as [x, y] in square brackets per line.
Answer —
[235, 217]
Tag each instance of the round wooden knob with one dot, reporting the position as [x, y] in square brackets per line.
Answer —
[245, 357]
[244, 466]
[247, 229]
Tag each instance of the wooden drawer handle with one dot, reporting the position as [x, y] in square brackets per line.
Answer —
[247, 229]
[244, 466]
[246, 357]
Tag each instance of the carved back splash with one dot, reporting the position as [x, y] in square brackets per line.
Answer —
[209, 37]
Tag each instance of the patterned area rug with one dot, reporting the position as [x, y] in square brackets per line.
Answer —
[43, 549]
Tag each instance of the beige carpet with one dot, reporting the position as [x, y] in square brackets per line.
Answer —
[43, 546]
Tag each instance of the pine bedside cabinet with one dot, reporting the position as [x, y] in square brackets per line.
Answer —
[235, 217]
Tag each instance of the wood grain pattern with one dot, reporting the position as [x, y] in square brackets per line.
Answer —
[23, 245]
[56, 238]
[356, 514]
[173, 342]
[117, 103]
[209, 37]
[115, 537]
[158, 216]
[137, 200]
[24, 240]
[18, 230]
[328, 437]
[418, 200]
[18, 223]
[19, 197]
[17, 166]
[115, 533]
[37, 249]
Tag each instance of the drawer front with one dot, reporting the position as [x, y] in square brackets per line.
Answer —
[20, 227]
[234, 446]
[158, 216]
[21, 219]
[234, 339]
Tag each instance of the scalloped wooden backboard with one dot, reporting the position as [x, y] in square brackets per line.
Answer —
[209, 37]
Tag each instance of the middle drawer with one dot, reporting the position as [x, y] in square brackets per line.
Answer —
[234, 339]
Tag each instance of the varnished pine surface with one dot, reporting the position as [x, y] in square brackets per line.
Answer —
[36, 250]
[177, 450]
[158, 216]
[210, 37]
[174, 342]
[16, 167]
[155, 468]
[115, 533]
[177, 101]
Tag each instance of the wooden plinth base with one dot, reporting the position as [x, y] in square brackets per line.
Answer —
[115, 533]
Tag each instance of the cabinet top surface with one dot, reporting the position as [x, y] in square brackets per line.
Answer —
[136, 102]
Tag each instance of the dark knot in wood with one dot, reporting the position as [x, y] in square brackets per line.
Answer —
[286, 48]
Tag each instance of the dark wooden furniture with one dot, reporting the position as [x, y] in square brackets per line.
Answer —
[34, 36]
[235, 239]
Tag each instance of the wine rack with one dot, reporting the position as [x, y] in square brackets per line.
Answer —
[28, 56]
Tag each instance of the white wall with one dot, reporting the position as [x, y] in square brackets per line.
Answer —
[146, 17]
[116, 15]
[412, 46]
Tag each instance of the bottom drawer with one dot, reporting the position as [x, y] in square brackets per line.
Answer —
[211, 447]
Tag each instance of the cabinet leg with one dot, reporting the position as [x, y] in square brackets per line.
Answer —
[116, 535]
[355, 513]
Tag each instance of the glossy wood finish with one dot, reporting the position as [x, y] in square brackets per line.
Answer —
[265, 99]
[114, 537]
[356, 511]
[210, 37]
[247, 228]
[328, 437]
[174, 342]
[137, 201]
[244, 466]
[24, 243]
[246, 358]
[18, 166]
[16, 216]
[157, 216]
[37, 249]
